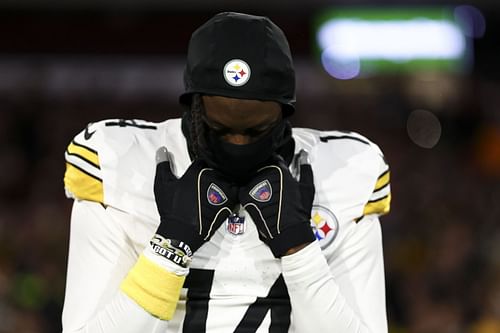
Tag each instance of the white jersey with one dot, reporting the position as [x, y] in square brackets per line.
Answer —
[235, 284]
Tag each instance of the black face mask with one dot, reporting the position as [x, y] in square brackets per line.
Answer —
[240, 162]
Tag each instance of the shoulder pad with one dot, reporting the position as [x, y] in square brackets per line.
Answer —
[351, 166]
[379, 202]
[83, 178]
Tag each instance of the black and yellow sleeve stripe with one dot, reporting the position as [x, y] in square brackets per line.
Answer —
[380, 200]
[82, 178]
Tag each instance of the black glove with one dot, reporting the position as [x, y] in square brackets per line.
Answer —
[192, 207]
[280, 205]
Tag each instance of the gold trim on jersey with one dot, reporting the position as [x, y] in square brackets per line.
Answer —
[82, 184]
[380, 200]
[380, 206]
[155, 289]
[85, 153]
[382, 180]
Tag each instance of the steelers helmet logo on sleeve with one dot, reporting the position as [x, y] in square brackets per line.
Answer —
[236, 72]
[324, 224]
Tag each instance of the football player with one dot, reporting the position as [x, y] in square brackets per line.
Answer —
[227, 220]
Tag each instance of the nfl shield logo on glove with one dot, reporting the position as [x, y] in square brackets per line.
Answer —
[262, 192]
[215, 195]
[236, 224]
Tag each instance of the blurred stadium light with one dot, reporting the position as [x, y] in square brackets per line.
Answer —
[363, 41]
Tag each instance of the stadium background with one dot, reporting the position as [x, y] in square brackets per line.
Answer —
[63, 65]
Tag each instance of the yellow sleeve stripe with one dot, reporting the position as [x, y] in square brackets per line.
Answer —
[85, 153]
[383, 180]
[82, 184]
[380, 206]
[155, 289]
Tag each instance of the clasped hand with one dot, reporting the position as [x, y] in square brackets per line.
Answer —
[194, 206]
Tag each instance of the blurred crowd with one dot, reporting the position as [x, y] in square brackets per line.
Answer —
[442, 238]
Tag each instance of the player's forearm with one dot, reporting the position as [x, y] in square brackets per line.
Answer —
[121, 315]
[314, 293]
[145, 302]
[100, 259]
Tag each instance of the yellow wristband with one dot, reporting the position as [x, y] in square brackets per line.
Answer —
[153, 288]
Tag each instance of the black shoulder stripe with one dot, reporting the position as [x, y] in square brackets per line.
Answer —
[379, 199]
[84, 159]
[383, 174]
[85, 172]
[380, 189]
[356, 220]
[83, 146]
[331, 137]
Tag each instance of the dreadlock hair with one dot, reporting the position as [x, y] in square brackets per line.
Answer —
[197, 126]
